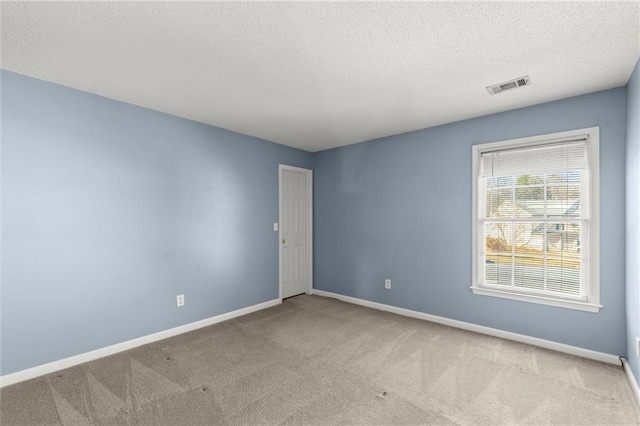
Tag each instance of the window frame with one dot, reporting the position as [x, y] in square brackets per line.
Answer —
[592, 301]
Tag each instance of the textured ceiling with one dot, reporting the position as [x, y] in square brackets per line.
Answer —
[321, 75]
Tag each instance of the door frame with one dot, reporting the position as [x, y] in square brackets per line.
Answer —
[309, 224]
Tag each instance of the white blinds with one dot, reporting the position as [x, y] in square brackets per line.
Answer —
[547, 158]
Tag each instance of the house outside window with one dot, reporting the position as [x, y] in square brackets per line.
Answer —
[535, 219]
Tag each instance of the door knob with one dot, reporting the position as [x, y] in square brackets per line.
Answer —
[283, 241]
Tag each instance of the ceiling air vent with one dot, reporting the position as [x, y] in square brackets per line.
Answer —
[511, 84]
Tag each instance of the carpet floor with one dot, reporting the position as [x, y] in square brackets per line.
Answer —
[316, 360]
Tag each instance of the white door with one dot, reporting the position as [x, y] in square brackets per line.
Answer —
[295, 231]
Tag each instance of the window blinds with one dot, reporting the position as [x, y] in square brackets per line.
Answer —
[546, 158]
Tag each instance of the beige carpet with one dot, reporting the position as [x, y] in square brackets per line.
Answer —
[315, 360]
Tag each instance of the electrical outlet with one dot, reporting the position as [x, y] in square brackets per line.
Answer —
[387, 284]
[180, 300]
[638, 346]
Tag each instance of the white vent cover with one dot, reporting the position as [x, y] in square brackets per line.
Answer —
[511, 84]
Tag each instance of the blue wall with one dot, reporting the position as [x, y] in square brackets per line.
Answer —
[400, 208]
[633, 219]
[111, 210]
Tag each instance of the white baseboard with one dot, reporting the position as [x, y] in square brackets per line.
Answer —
[632, 379]
[547, 344]
[61, 364]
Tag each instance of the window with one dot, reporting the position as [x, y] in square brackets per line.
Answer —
[535, 218]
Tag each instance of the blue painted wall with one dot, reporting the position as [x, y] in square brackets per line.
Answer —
[400, 208]
[111, 210]
[633, 219]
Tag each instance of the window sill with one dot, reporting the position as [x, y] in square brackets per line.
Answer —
[570, 304]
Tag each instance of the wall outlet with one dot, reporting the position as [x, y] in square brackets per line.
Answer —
[387, 284]
[638, 346]
[180, 300]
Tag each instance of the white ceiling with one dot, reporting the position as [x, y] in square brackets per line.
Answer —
[320, 75]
